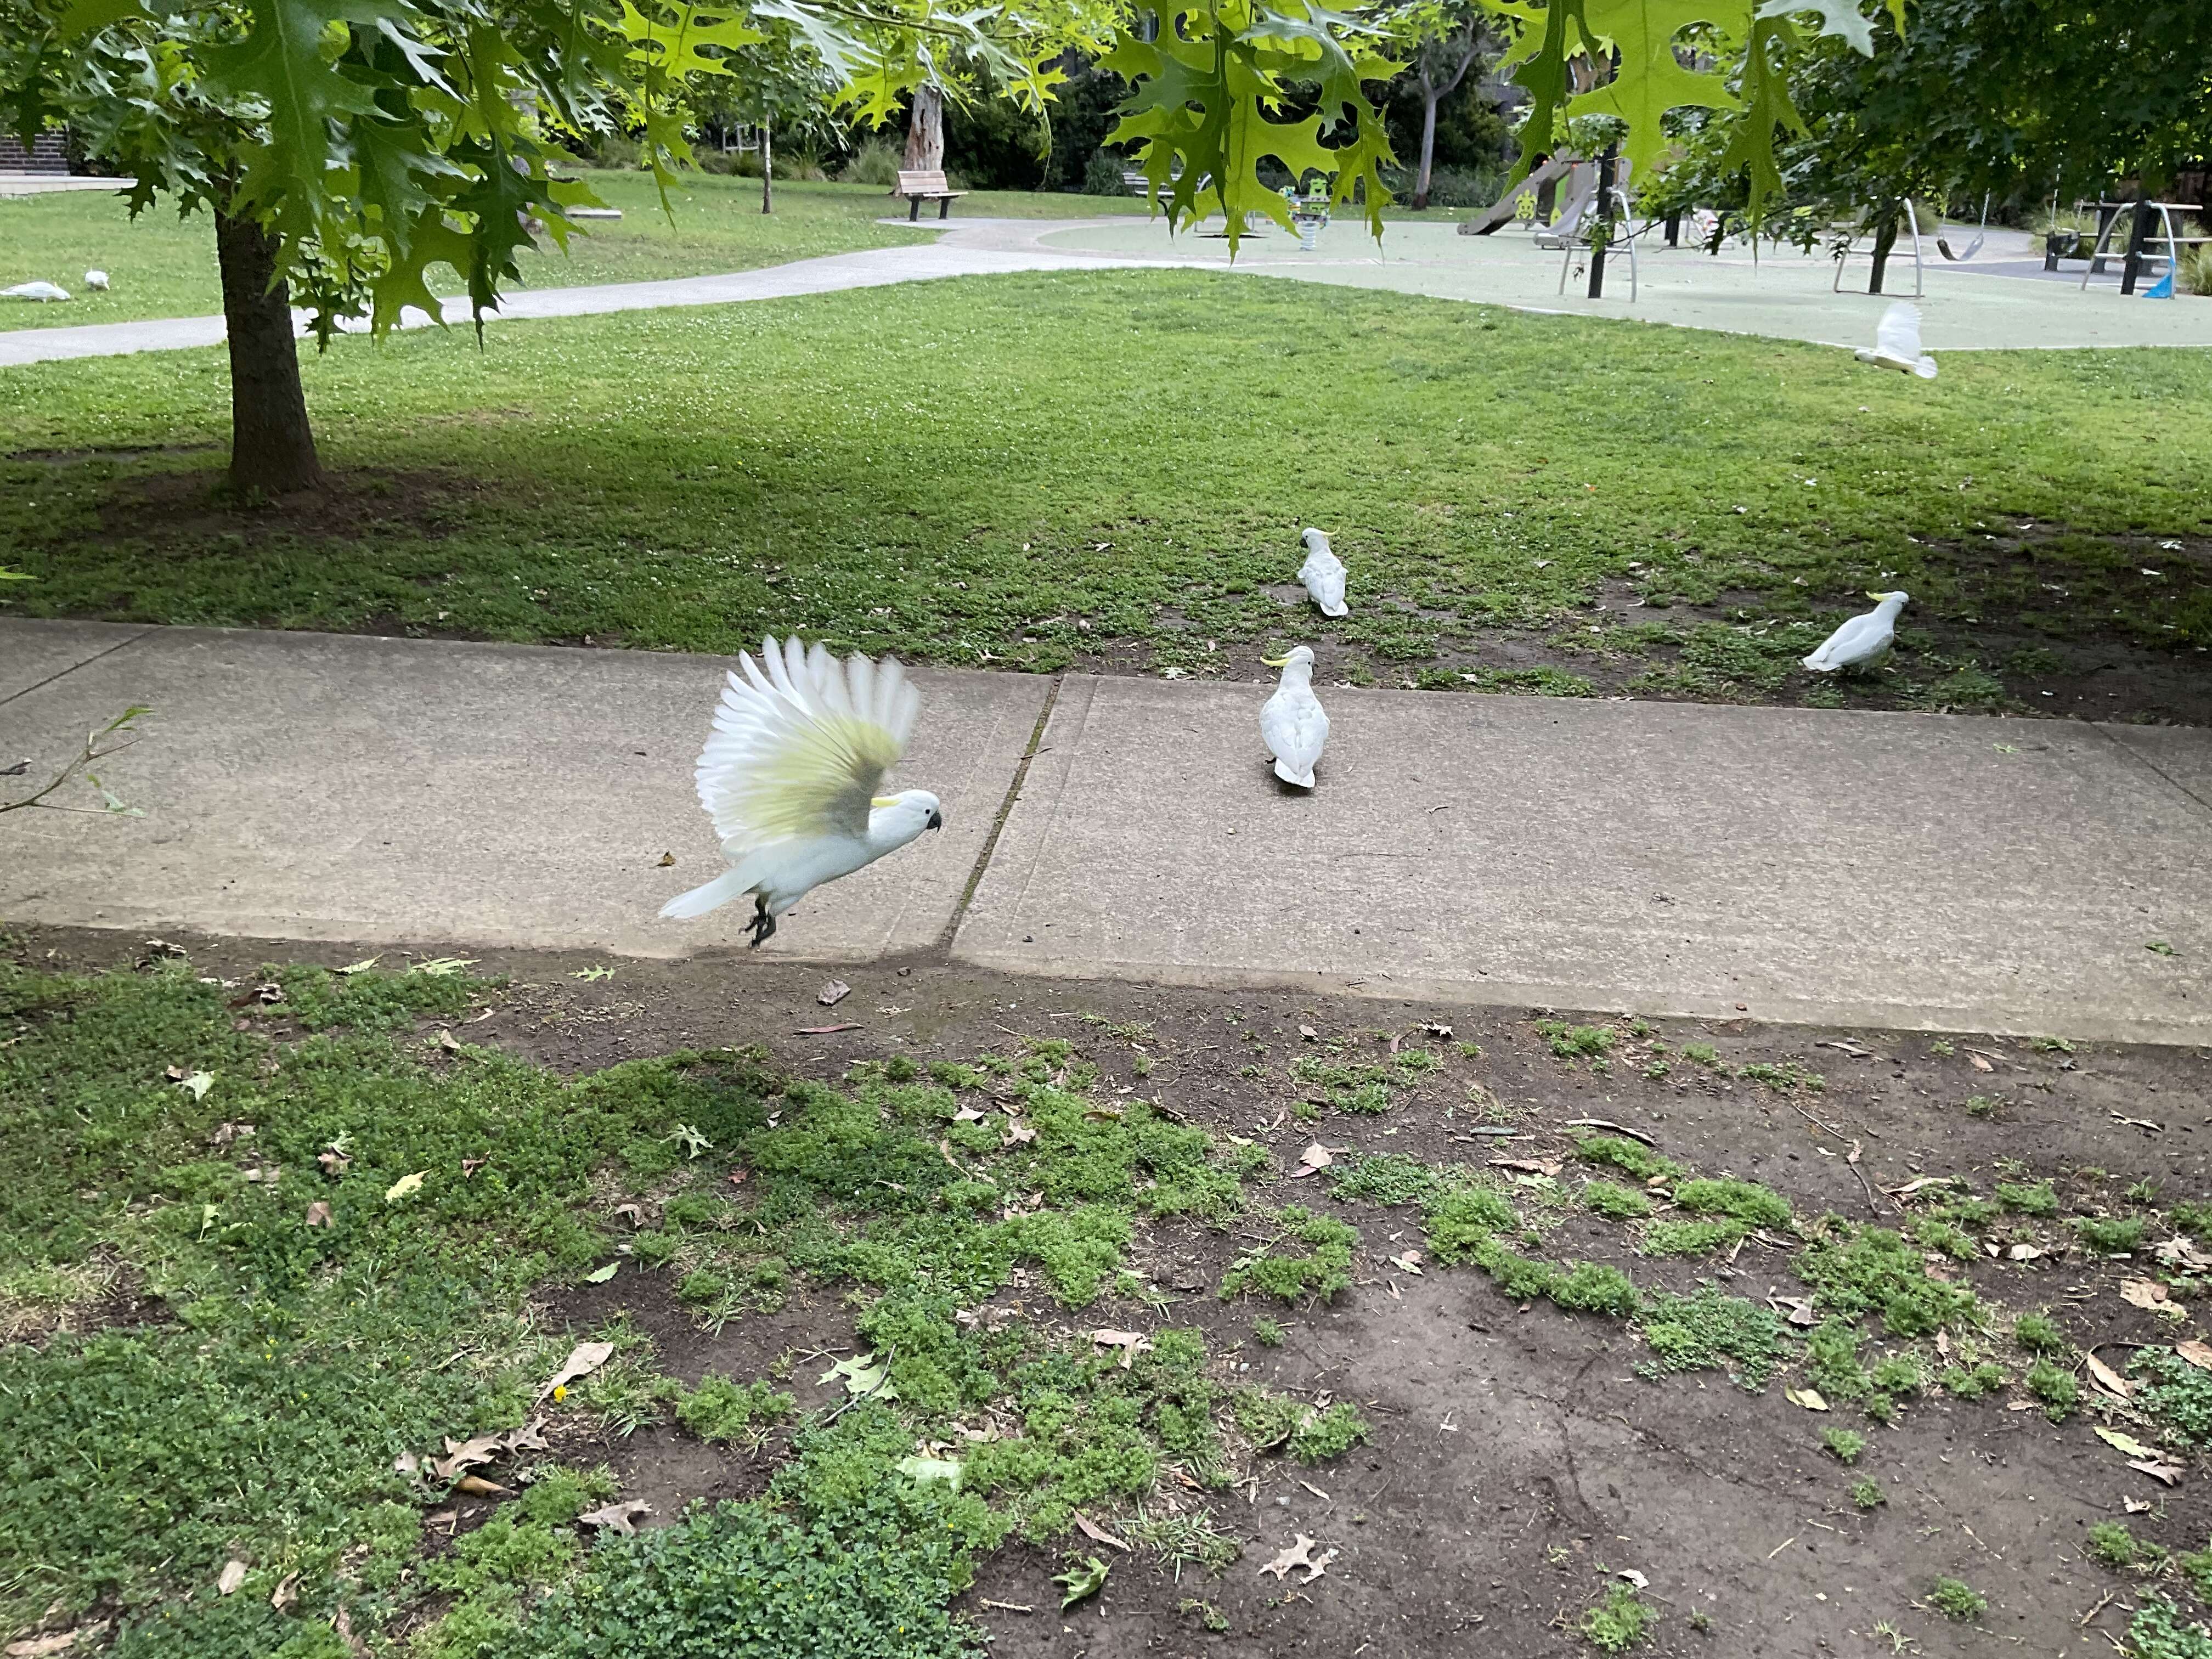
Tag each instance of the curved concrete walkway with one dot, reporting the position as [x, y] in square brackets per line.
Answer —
[1919, 871]
[1780, 295]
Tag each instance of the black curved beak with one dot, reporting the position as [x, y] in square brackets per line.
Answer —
[936, 821]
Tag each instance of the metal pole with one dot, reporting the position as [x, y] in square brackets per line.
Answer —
[1603, 233]
[1674, 229]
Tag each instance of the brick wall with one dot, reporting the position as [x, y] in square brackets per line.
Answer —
[45, 155]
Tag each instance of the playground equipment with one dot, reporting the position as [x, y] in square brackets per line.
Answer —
[2110, 215]
[1850, 249]
[1597, 219]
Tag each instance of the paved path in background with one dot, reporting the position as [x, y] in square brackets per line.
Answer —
[1919, 870]
[1780, 295]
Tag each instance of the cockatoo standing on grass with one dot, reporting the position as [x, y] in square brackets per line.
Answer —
[96, 281]
[40, 291]
[1323, 574]
[1863, 640]
[1897, 344]
[790, 776]
[1292, 722]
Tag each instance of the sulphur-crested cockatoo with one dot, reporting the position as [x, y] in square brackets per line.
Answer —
[1323, 574]
[1863, 640]
[96, 281]
[40, 291]
[789, 776]
[1897, 344]
[1292, 722]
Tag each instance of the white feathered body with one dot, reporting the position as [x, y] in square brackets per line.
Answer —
[1897, 344]
[1860, 643]
[40, 291]
[96, 281]
[1323, 574]
[1293, 722]
[800, 745]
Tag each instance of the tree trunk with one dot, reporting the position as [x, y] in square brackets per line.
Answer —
[272, 448]
[1885, 238]
[768, 169]
[925, 132]
[1429, 97]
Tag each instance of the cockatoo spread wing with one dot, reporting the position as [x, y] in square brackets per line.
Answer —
[801, 745]
[1899, 334]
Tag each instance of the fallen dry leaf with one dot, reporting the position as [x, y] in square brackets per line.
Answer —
[195, 1084]
[343, 1626]
[2110, 1380]
[233, 1575]
[1131, 1343]
[1019, 1135]
[2146, 1293]
[967, 1114]
[583, 1359]
[61, 1641]
[1300, 1555]
[2183, 1253]
[629, 1212]
[1541, 1166]
[2158, 1469]
[449, 1042]
[1096, 1534]
[667, 861]
[2123, 1442]
[1315, 1158]
[1634, 1577]
[1808, 1398]
[1797, 1310]
[529, 1437]
[406, 1187]
[2024, 1253]
[319, 1214]
[2198, 1354]
[467, 1454]
[477, 1486]
[1409, 1262]
[832, 992]
[285, 1593]
[1980, 1065]
[615, 1516]
[2138, 1505]
[1309, 1033]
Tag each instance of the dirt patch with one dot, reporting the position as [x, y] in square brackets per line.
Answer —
[193, 506]
[1519, 1460]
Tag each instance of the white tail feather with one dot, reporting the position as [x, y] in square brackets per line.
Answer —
[730, 883]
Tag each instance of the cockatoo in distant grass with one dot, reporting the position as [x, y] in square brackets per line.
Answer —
[1323, 574]
[789, 777]
[1863, 640]
[1897, 344]
[1292, 720]
[96, 281]
[40, 291]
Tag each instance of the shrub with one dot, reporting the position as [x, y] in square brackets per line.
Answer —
[2176, 1393]
[2038, 1333]
[1618, 1622]
[1868, 1494]
[2055, 1388]
[1956, 1600]
[2113, 1544]
[2109, 1237]
[1614, 1201]
[2027, 1199]
[1845, 1443]
[876, 163]
[1742, 1200]
[1102, 174]
[1460, 1222]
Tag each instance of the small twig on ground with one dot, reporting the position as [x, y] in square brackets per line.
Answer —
[1618, 1128]
[871, 1394]
[2083, 1622]
[1005, 1607]
[91, 752]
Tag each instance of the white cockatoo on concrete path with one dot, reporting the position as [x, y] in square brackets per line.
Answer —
[41, 292]
[1322, 573]
[1292, 720]
[1897, 344]
[1863, 640]
[96, 281]
[800, 747]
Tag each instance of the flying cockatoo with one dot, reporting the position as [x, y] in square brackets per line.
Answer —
[1291, 721]
[1323, 574]
[40, 291]
[789, 776]
[1897, 344]
[96, 281]
[1863, 640]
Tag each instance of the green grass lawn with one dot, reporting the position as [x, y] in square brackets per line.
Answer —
[1112, 469]
[164, 266]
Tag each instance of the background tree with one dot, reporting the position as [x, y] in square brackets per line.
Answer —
[1447, 38]
[344, 147]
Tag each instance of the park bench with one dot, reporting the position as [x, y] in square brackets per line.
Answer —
[920, 188]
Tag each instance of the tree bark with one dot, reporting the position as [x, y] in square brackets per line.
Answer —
[925, 132]
[273, 447]
[1429, 97]
[768, 169]
[1885, 238]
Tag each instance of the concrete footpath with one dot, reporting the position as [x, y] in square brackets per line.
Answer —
[1919, 870]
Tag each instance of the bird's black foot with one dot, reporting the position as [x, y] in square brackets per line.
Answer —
[763, 924]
